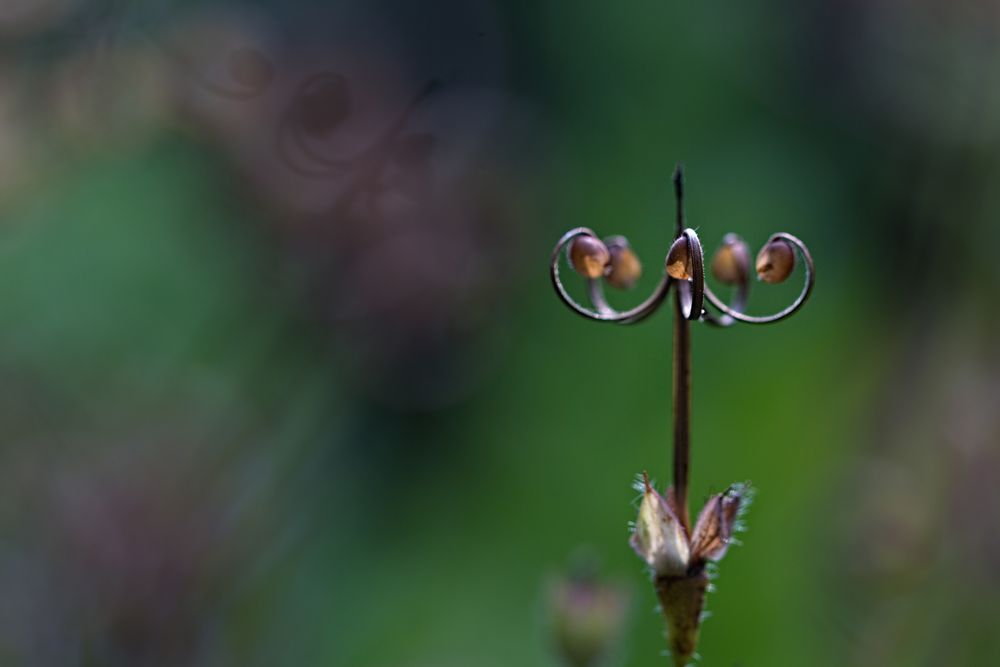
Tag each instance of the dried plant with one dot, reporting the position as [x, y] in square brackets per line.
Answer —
[587, 613]
[676, 553]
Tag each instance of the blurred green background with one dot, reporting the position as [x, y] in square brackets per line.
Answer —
[283, 380]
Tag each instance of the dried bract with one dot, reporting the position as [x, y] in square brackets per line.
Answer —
[679, 564]
[659, 537]
[717, 523]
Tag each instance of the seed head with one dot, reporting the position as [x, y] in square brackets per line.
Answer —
[731, 262]
[625, 267]
[679, 260]
[776, 261]
[589, 256]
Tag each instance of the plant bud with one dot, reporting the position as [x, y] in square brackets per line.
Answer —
[679, 564]
[589, 256]
[731, 262]
[587, 617]
[659, 538]
[776, 261]
[625, 266]
[717, 523]
[679, 260]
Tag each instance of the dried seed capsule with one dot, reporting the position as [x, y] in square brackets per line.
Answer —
[659, 537]
[731, 262]
[717, 522]
[625, 265]
[679, 260]
[776, 261]
[589, 256]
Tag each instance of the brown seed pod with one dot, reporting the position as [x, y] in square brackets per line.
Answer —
[731, 262]
[589, 256]
[776, 261]
[679, 260]
[625, 267]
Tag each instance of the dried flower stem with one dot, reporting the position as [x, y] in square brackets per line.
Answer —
[677, 553]
[681, 381]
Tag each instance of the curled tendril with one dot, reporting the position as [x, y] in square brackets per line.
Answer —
[694, 294]
[602, 312]
[735, 313]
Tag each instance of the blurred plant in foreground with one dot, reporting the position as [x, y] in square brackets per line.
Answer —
[587, 615]
[384, 181]
[134, 555]
[916, 575]
[388, 190]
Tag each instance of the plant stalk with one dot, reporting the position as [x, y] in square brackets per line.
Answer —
[681, 381]
[682, 411]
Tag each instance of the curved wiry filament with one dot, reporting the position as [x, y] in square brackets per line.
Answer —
[731, 313]
[601, 311]
[694, 294]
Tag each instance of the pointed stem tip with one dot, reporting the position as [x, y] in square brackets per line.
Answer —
[679, 196]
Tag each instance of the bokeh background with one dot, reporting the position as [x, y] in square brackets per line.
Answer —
[283, 380]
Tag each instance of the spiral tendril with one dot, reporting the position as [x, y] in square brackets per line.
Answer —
[695, 295]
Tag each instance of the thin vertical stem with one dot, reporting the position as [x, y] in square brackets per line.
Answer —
[682, 410]
[681, 381]
[679, 198]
